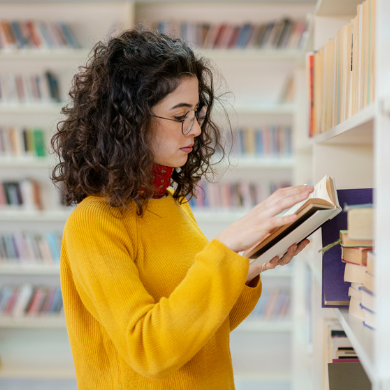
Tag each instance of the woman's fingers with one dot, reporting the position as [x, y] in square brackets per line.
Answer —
[293, 251]
[289, 255]
[302, 245]
[288, 199]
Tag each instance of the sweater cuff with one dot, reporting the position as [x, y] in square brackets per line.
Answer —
[252, 292]
[224, 249]
[254, 283]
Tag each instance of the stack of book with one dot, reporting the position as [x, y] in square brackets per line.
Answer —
[344, 367]
[279, 34]
[342, 73]
[339, 347]
[30, 301]
[232, 196]
[270, 141]
[29, 88]
[22, 142]
[30, 248]
[357, 252]
[24, 195]
[16, 34]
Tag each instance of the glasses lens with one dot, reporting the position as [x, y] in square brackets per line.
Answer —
[188, 122]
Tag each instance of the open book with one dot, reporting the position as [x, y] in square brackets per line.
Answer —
[321, 205]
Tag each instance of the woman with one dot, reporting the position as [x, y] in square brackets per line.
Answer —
[149, 301]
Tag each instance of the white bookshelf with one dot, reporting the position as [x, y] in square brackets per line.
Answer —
[265, 109]
[357, 153]
[44, 54]
[255, 76]
[38, 347]
[30, 108]
[261, 163]
[26, 373]
[32, 268]
[25, 162]
[60, 215]
[44, 322]
[361, 338]
[252, 54]
[271, 326]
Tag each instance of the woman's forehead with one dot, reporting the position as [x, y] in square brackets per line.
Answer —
[185, 95]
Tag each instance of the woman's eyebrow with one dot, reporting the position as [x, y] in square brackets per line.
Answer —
[183, 105]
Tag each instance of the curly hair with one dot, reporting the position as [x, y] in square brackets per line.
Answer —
[103, 142]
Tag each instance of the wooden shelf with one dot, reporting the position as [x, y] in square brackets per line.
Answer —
[44, 322]
[362, 340]
[29, 269]
[272, 326]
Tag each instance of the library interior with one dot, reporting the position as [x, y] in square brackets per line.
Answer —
[303, 91]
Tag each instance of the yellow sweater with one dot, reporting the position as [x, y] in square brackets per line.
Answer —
[149, 301]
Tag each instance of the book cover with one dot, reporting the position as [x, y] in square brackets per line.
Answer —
[334, 289]
[350, 375]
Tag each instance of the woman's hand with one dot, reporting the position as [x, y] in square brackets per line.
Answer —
[256, 269]
[262, 220]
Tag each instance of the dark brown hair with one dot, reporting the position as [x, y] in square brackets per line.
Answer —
[103, 143]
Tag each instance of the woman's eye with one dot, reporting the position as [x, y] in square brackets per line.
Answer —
[179, 118]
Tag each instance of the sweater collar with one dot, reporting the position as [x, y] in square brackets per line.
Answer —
[161, 179]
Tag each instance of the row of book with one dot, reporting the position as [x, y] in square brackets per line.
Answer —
[273, 305]
[30, 248]
[29, 88]
[276, 34]
[231, 196]
[24, 194]
[15, 34]
[343, 364]
[30, 301]
[271, 141]
[22, 142]
[342, 73]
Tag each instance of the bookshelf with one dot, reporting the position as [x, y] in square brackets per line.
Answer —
[356, 153]
[35, 351]
[255, 76]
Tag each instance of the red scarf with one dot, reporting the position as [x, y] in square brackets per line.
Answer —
[161, 180]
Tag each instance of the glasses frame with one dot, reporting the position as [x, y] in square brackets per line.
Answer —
[196, 116]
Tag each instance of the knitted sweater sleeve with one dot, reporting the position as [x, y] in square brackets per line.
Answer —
[154, 338]
[245, 303]
[248, 298]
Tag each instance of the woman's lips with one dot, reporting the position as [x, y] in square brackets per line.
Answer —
[187, 150]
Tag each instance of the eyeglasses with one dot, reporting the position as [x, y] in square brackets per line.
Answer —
[188, 119]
